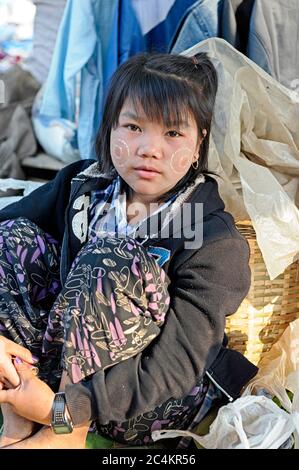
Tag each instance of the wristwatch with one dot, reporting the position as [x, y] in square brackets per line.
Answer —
[61, 421]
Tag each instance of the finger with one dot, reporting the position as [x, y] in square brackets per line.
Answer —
[11, 375]
[18, 350]
[7, 384]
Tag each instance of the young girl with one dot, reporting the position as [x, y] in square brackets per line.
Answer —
[93, 263]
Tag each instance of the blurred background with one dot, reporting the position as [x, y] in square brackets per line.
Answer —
[16, 31]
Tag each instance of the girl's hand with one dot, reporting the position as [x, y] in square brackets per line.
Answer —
[32, 399]
[8, 350]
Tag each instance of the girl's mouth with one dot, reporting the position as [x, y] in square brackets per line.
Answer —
[147, 173]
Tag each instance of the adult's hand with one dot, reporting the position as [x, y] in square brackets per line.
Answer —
[8, 351]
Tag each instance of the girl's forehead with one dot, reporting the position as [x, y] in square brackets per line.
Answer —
[136, 111]
[135, 108]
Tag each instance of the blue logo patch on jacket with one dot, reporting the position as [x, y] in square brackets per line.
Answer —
[162, 255]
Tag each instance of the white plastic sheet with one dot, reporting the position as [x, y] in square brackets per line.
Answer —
[255, 150]
[254, 421]
[279, 371]
[251, 422]
[11, 183]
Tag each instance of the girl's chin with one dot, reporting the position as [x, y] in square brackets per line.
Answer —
[146, 188]
[146, 196]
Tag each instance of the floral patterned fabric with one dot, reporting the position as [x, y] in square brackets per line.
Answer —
[111, 307]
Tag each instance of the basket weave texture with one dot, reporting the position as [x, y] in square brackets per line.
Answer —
[268, 307]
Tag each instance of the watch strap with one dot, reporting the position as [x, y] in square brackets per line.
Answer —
[61, 422]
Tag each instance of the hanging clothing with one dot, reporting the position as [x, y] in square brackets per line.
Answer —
[235, 23]
[94, 37]
[243, 16]
[274, 29]
[46, 23]
[18, 87]
[17, 139]
[151, 12]
[229, 30]
[160, 38]
[201, 21]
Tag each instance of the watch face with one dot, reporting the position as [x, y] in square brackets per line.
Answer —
[62, 429]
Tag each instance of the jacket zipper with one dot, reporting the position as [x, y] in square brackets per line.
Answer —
[230, 398]
[64, 247]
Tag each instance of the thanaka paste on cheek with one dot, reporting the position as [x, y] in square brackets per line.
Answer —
[181, 160]
[120, 152]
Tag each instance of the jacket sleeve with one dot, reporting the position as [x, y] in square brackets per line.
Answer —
[46, 205]
[208, 286]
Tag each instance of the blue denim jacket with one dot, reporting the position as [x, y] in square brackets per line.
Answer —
[91, 43]
[201, 21]
[159, 38]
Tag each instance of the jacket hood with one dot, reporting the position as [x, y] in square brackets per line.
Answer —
[208, 195]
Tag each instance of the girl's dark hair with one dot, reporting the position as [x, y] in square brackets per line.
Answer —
[168, 87]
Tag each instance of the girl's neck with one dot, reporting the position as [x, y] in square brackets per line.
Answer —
[138, 208]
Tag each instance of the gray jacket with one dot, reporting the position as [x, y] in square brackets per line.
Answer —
[273, 39]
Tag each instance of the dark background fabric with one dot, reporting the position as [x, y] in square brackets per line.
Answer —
[17, 139]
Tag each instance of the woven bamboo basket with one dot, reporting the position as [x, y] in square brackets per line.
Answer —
[267, 309]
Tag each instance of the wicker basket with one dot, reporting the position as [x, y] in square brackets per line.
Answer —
[268, 308]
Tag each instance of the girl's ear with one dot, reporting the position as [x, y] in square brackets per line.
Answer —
[204, 134]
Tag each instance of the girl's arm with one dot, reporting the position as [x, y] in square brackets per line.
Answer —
[205, 288]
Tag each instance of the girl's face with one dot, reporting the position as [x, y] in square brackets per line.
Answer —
[150, 157]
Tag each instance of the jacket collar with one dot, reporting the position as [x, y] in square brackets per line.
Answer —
[90, 178]
[93, 171]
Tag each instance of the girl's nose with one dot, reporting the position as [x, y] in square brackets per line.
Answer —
[149, 150]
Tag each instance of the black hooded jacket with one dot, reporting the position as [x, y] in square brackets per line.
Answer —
[207, 283]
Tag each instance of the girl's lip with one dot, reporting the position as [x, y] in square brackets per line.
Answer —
[146, 174]
[147, 168]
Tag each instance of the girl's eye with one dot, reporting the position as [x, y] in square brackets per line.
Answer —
[173, 134]
[133, 127]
